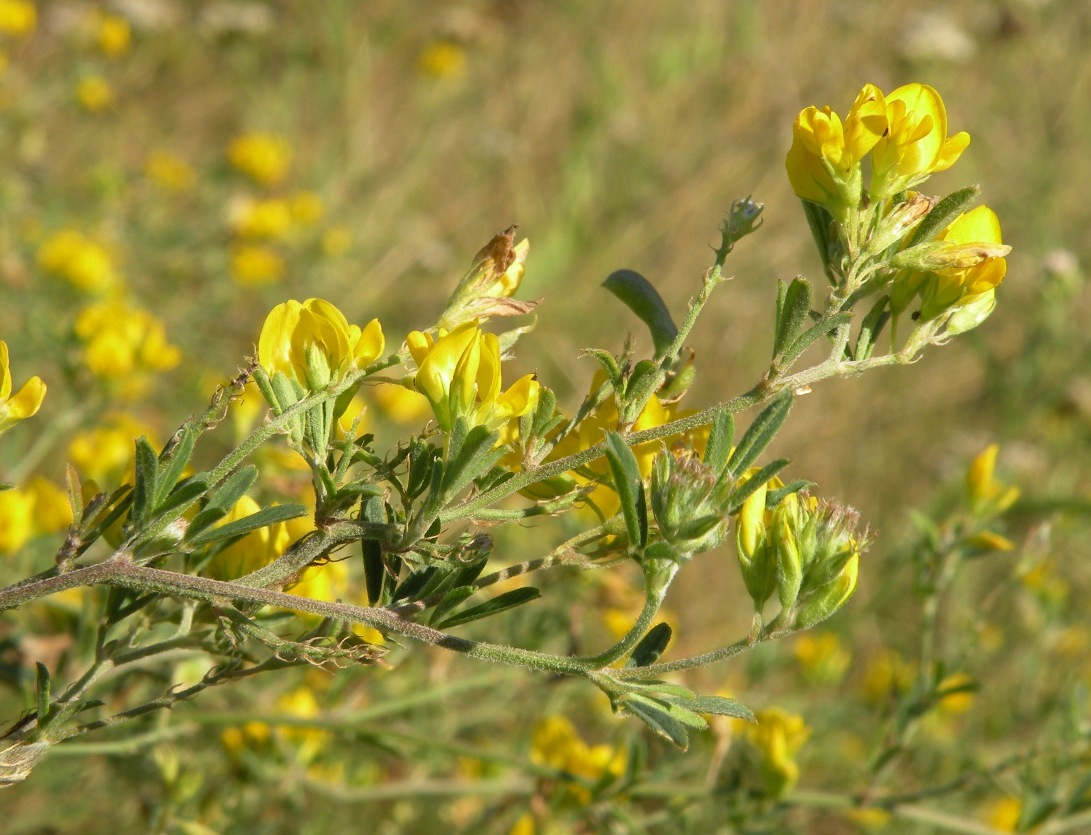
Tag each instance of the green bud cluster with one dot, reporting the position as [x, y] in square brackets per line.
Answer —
[689, 501]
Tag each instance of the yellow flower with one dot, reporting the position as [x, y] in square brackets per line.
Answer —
[824, 161]
[776, 739]
[16, 519]
[442, 59]
[52, 511]
[104, 453]
[250, 552]
[263, 157]
[555, 743]
[122, 343]
[887, 675]
[976, 268]
[459, 373]
[985, 494]
[1004, 814]
[821, 656]
[25, 402]
[960, 702]
[313, 344]
[94, 93]
[18, 18]
[915, 143]
[82, 262]
[306, 208]
[114, 35]
[254, 265]
[402, 405]
[269, 218]
[336, 241]
[169, 171]
[302, 703]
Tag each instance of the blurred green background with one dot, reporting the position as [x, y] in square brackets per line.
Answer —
[615, 134]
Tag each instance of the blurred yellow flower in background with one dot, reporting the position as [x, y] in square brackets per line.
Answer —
[821, 656]
[776, 739]
[122, 342]
[25, 402]
[94, 93]
[264, 157]
[84, 263]
[113, 34]
[251, 551]
[267, 218]
[18, 18]
[253, 265]
[556, 743]
[169, 171]
[887, 674]
[442, 59]
[336, 241]
[404, 406]
[16, 519]
[306, 208]
[104, 453]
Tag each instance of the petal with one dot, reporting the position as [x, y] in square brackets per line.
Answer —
[28, 400]
[5, 372]
[275, 342]
[369, 345]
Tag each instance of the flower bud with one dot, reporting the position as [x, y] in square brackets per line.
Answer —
[899, 223]
[757, 560]
[823, 601]
[688, 501]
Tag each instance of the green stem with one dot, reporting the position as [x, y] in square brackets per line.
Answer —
[652, 602]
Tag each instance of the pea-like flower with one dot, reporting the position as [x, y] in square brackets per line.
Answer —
[459, 373]
[25, 402]
[774, 740]
[915, 143]
[968, 265]
[313, 344]
[824, 161]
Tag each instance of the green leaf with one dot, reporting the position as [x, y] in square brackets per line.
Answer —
[609, 364]
[473, 457]
[760, 433]
[812, 335]
[720, 706]
[422, 461]
[870, 328]
[751, 485]
[775, 497]
[721, 435]
[637, 293]
[792, 309]
[452, 599]
[821, 224]
[185, 492]
[263, 518]
[410, 587]
[651, 646]
[44, 690]
[942, 214]
[630, 489]
[235, 487]
[147, 477]
[656, 716]
[174, 461]
[500, 603]
[372, 509]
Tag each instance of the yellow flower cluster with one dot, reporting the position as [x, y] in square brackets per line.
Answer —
[94, 93]
[905, 132]
[122, 343]
[775, 740]
[103, 454]
[263, 157]
[79, 260]
[312, 344]
[169, 171]
[39, 508]
[18, 18]
[25, 402]
[556, 743]
[459, 373]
